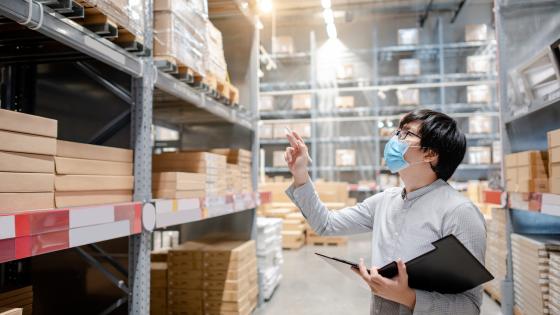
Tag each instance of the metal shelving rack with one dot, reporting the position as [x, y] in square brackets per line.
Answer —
[524, 124]
[379, 110]
[134, 79]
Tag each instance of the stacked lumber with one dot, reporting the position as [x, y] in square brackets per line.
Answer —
[21, 298]
[178, 185]
[496, 251]
[554, 283]
[239, 160]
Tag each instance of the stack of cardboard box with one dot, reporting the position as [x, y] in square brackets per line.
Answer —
[334, 196]
[496, 251]
[239, 164]
[90, 174]
[27, 149]
[212, 278]
[345, 157]
[158, 288]
[531, 271]
[212, 165]
[178, 185]
[20, 298]
[554, 160]
[554, 284]
[527, 172]
[301, 101]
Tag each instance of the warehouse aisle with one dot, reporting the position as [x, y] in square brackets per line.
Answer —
[311, 287]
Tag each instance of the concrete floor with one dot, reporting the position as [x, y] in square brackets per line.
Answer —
[309, 286]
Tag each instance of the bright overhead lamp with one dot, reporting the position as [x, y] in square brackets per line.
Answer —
[265, 6]
[328, 16]
[326, 4]
[331, 31]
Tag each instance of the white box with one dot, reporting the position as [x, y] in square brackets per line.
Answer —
[344, 101]
[345, 157]
[283, 45]
[478, 94]
[278, 159]
[479, 155]
[408, 96]
[476, 33]
[478, 64]
[265, 131]
[301, 101]
[266, 103]
[496, 152]
[480, 124]
[408, 36]
[409, 67]
[345, 71]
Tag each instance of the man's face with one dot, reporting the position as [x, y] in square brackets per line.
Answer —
[414, 153]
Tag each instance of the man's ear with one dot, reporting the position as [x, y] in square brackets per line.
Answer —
[430, 156]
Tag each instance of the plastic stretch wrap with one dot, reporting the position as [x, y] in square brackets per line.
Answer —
[181, 34]
[126, 13]
[215, 59]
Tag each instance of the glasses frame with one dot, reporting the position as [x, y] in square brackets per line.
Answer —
[398, 133]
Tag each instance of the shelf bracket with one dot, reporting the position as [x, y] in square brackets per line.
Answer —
[422, 20]
[111, 128]
[115, 264]
[459, 8]
[95, 75]
[110, 276]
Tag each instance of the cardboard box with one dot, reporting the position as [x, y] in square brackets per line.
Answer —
[266, 131]
[408, 36]
[496, 152]
[283, 45]
[539, 158]
[480, 124]
[533, 185]
[344, 101]
[26, 201]
[478, 94]
[476, 32]
[301, 101]
[29, 124]
[71, 166]
[345, 71]
[26, 182]
[532, 171]
[279, 131]
[409, 67]
[479, 155]
[85, 198]
[26, 163]
[554, 138]
[302, 129]
[266, 103]
[554, 170]
[408, 96]
[93, 152]
[511, 160]
[93, 183]
[555, 155]
[478, 64]
[345, 157]
[512, 174]
[278, 159]
[25, 143]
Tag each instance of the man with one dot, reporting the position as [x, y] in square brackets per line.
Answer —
[425, 151]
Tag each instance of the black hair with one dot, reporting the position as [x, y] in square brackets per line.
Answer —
[440, 134]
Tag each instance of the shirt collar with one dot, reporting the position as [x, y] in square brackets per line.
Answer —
[422, 191]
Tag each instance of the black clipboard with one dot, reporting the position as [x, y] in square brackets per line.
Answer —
[449, 268]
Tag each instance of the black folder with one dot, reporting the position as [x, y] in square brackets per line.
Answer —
[448, 268]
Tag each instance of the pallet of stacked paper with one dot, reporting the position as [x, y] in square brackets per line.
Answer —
[213, 165]
[21, 298]
[530, 255]
[178, 185]
[158, 288]
[91, 174]
[269, 253]
[496, 251]
[554, 283]
[184, 279]
[241, 158]
[27, 149]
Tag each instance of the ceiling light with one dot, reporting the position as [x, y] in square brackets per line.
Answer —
[328, 16]
[331, 30]
[380, 124]
[326, 4]
[265, 6]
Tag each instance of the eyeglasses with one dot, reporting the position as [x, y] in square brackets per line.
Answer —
[402, 134]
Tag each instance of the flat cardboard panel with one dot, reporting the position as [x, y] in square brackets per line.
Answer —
[532, 171]
[92, 152]
[71, 166]
[554, 184]
[512, 174]
[178, 194]
[26, 163]
[86, 198]
[26, 201]
[554, 170]
[26, 182]
[25, 143]
[179, 177]
[554, 138]
[157, 185]
[93, 182]
[555, 155]
[25, 123]
[511, 160]
[532, 158]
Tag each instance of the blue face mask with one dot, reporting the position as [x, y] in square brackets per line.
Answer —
[394, 153]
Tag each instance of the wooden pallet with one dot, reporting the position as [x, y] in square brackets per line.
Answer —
[99, 23]
[326, 240]
[171, 65]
